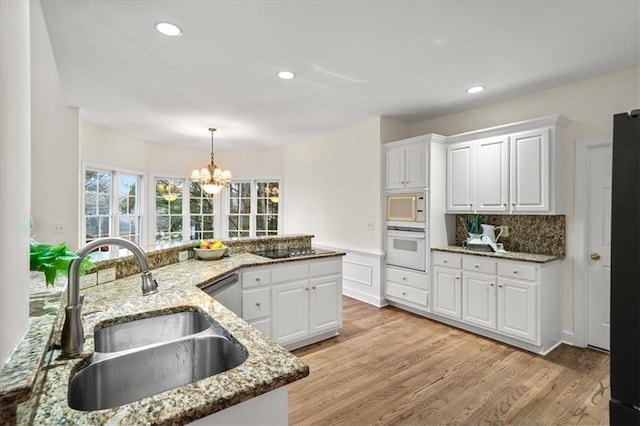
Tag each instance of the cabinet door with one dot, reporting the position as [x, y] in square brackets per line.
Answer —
[479, 300]
[290, 311]
[447, 299]
[325, 304]
[415, 166]
[492, 175]
[530, 171]
[395, 168]
[517, 309]
[461, 171]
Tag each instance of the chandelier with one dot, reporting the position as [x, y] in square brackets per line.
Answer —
[211, 178]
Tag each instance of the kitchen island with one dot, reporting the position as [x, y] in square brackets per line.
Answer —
[269, 367]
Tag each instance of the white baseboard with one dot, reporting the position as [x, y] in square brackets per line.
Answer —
[364, 297]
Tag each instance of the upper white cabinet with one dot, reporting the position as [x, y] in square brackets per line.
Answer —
[406, 164]
[516, 168]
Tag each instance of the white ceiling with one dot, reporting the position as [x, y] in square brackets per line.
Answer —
[410, 60]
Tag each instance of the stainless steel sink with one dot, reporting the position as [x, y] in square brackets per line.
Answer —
[147, 331]
[119, 378]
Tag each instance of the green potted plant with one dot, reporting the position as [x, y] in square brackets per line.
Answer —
[54, 260]
[471, 224]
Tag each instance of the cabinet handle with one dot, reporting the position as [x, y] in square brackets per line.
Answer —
[515, 271]
[457, 278]
[444, 261]
[404, 293]
[491, 284]
[258, 304]
[306, 288]
[476, 266]
[258, 279]
[313, 287]
[471, 206]
[500, 285]
[404, 278]
[513, 205]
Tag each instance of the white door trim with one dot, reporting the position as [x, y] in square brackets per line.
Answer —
[581, 241]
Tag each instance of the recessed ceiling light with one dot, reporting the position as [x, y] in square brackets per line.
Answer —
[286, 75]
[168, 29]
[475, 89]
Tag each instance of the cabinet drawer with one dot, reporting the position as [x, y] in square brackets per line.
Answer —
[332, 267]
[479, 264]
[252, 278]
[408, 278]
[521, 271]
[451, 260]
[298, 271]
[410, 294]
[256, 303]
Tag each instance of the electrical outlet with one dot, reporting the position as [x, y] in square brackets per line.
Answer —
[88, 280]
[183, 255]
[58, 228]
[106, 275]
[370, 226]
[505, 231]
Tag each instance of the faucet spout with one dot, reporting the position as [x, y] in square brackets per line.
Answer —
[72, 331]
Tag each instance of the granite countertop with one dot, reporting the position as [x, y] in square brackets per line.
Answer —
[268, 366]
[511, 255]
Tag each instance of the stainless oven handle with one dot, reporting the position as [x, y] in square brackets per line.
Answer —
[418, 235]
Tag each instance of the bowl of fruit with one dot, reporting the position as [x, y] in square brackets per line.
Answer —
[210, 250]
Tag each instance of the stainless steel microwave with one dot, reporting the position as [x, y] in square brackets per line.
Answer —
[407, 207]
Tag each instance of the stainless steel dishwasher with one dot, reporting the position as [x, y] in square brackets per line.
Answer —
[225, 290]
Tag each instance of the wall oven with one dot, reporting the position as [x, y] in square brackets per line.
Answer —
[406, 247]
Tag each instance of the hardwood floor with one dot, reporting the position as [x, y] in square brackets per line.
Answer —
[389, 366]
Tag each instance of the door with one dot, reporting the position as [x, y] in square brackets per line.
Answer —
[517, 303]
[599, 243]
[447, 299]
[529, 165]
[290, 311]
[479, 300]
[325, 301]
[461, 186]
[492, 175]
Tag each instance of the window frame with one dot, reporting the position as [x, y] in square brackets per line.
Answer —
[114, 171]
[253, 181]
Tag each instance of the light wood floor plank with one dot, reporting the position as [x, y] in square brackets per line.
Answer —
[391, 367]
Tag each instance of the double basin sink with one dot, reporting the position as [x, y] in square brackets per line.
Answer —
[141, 358]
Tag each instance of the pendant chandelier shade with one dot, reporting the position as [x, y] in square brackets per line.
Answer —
[211, 178]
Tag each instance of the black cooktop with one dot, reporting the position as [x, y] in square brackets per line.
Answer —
[283, 254]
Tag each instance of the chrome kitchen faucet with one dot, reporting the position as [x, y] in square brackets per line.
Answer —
[72, 331]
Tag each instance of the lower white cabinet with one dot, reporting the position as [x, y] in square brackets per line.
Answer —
[407, 288]
[295, 303]
[517, 302]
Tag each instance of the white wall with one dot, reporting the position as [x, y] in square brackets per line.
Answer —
[15, 179]
[332, 187]
[54, 145]
[589, 105]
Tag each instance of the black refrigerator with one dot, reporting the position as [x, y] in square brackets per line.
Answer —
[624, 405]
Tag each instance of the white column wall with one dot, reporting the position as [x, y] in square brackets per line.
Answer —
[14, 173]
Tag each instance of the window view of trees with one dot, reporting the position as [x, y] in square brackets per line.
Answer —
[169, 218]
[97, 204]
[200, 213]
[253, 208]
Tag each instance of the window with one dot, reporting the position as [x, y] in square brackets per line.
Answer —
[179, 218]
[169, 210]
[111, 204]
[253, 208]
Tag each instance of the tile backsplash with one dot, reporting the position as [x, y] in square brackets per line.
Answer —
[527, 233]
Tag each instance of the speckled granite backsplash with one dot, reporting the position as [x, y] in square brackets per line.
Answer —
[527, 233]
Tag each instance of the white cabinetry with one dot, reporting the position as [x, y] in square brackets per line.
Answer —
[447, 285]
[307, 301]
[406, 165]
[256, 298]
[516, 168]
[407, 287]
[512, 301]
